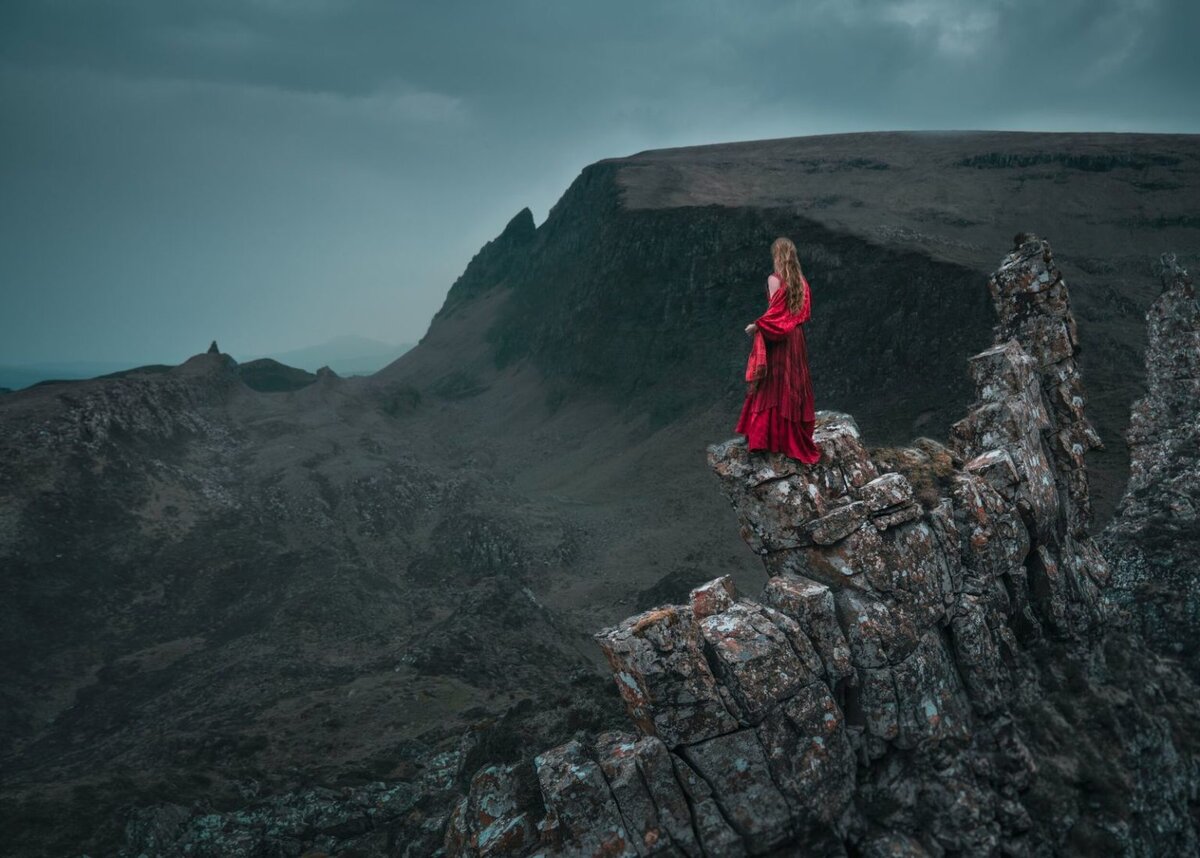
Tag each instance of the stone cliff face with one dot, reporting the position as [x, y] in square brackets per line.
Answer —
[1154, 540]
[635, 304]
[931, 668]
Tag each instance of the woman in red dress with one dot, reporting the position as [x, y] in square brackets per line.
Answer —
[778, 414]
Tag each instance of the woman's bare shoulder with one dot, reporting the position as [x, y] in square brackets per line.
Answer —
[773, 284]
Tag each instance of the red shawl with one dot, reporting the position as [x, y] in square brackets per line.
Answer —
[776, 323]
[756, 367]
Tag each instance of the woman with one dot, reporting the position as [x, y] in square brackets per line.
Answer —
[778, 414]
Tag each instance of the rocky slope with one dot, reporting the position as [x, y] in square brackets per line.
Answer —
[1154, 540]
[211, 594]
[928, 671]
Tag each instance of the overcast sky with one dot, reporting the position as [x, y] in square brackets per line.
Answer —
[280, 172]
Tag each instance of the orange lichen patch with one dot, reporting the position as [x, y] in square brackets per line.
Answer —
[508, 835]
[614, 845]
[668, 614]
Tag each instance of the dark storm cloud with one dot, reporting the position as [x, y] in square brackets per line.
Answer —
[278, 173]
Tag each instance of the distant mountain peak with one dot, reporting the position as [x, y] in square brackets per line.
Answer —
[521, 225]
[494, 262]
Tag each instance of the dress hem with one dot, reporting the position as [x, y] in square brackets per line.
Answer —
[769, 431]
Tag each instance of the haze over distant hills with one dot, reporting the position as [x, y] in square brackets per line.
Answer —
[18, 376]
[346, 355]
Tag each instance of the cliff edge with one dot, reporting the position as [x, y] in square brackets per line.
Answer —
[930, 669]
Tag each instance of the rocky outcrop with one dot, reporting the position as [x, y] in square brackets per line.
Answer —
[925, 673]
[1153, 542]
[493, 264]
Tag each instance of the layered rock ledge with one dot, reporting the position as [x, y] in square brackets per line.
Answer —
[928, 671]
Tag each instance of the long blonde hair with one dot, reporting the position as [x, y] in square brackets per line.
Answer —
[783, 252]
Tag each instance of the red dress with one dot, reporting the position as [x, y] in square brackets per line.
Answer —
[778, 414]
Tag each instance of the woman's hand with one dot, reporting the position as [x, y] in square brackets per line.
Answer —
[751, 328]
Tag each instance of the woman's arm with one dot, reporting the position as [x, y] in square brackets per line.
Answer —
[777, 322]
[773, 284]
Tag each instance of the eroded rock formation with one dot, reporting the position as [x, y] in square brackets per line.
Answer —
[928, 671]
[1154, 541]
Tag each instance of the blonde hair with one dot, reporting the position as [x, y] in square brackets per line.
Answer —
[787, 264]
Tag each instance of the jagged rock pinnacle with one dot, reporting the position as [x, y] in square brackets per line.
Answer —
[1154, 540]
[212, 349]
[1033, 309]
[520, 227]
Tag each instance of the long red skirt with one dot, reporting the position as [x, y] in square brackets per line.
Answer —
[778, 415]
[769, 430]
